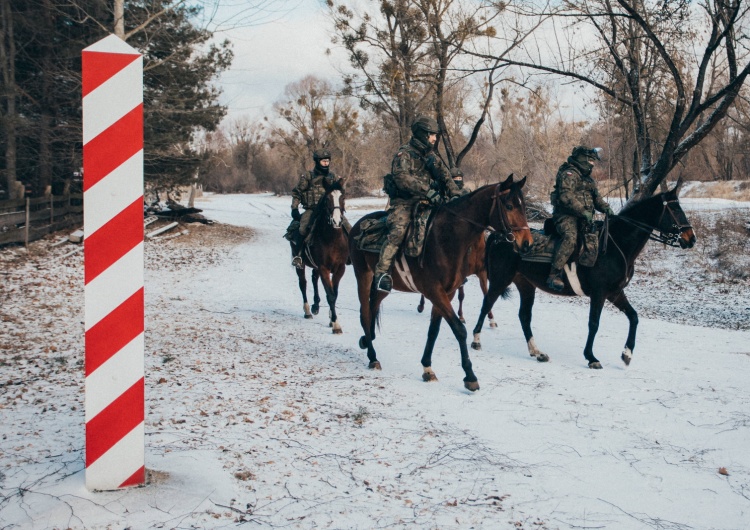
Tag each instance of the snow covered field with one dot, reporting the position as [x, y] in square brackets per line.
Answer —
[257, 417]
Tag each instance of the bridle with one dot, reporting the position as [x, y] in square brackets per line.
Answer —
[507, 230]
[670, 238]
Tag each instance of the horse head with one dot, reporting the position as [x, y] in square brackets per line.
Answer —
[334, 202]
[508, 213]
[673, 223]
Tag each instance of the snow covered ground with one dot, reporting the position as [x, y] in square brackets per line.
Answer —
[258, 417]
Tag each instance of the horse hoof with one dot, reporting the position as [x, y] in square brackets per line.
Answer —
[315, 310]
[362, 343]
[471, 385]
[476, 345]
[429, 377]
[308, 316]
[375, 365]
[493, 324]
[626, 356]
[544, 358]
[330, 324]
[462, 319]
[596, 365]
[420, 308]
[337, 331]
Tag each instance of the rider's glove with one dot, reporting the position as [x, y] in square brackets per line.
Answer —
[296, 215]
[588, 216]
[433, 196]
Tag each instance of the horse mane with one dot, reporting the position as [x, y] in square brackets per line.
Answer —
[633, 207]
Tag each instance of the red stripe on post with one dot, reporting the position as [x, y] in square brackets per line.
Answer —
[112, 424]
[98, 67]
[112, 147]
[139, 477]
[115, 331]
[113, 240]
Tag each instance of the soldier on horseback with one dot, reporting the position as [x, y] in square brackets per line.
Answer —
[308, 193]
[417, 175]
[574, 200]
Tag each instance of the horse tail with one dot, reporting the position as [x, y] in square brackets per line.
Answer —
[505, 295]
[375, 312]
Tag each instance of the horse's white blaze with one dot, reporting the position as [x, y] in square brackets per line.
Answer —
[533, 350]
[306, 307]
[628, 353]
[575, 283]
[336, 216]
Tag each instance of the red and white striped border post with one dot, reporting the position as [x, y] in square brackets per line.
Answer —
[113, 256]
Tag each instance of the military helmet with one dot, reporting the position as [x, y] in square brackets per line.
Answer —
[581, 152]
[424, 125]
[320, 154]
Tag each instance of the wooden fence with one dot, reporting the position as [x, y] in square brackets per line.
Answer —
[26, 220]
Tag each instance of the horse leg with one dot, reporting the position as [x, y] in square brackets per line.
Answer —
[332, 293]
[435, 319]
[595, 312]
[367, 319]
[461, 295]
[420, 307]
[528, 293]
[303, 288]
[442, 304]
[316, 297]
[483, 284]
[490, 297]
[620, 301]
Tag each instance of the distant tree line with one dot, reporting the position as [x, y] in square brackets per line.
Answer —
[660, 85]
[665, 96]
[40, 88]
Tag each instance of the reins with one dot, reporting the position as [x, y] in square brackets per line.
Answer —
[671, 238]
[507, 230]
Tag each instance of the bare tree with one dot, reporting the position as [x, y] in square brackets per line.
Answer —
[611, 45]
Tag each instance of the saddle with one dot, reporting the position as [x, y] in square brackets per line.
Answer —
[545, 242]
[374, 232]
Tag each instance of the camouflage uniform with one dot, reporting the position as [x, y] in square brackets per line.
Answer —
[418, 176]
[574, 200]
[308, 192]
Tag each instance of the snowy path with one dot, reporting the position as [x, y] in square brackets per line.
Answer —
[257, 415]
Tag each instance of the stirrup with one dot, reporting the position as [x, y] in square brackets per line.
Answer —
[297, 262]
[383, 282]
[555, 283]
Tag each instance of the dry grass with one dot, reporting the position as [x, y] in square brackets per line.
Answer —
[735, 190]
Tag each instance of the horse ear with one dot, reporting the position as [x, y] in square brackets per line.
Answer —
[676, 189]
[507, 182]
[521, 182]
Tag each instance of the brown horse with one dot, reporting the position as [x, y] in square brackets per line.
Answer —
[327, 253]
[439, 271]
[474, 266]
[628, 234]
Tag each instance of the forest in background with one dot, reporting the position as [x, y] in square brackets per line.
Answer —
[513, 85]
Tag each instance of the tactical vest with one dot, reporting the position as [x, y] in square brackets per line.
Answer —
[315, 190]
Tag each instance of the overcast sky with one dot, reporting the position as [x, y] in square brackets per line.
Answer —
[282, 48]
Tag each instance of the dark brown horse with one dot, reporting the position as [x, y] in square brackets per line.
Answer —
[474, 266]
[629, 232]
[456, 227]
[327, 253]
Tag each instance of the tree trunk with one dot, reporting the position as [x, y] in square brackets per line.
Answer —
[7, 63]
[119, 11]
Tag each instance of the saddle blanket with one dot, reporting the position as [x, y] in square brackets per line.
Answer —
[374, 232]
[543, 248]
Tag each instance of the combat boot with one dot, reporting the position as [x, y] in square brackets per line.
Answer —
[555, 281]
[382, 282]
